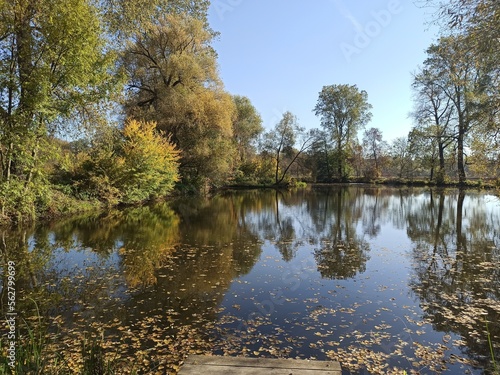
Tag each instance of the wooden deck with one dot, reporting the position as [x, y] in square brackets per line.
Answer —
[217, 365]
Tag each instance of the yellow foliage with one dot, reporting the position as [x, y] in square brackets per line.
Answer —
[149, 167]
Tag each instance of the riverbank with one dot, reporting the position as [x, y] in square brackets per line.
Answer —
[59, 205]
[491, 184]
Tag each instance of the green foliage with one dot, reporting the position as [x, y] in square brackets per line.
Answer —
[123, 17]
[375, 149]
[22, 201]
[63, 202]
[278, 145]
[343, 110]
[247, 126]
[33, 355]
[298, 184]
[53, 67]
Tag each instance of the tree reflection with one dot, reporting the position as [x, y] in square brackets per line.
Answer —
[456, 255]
[325, 218]
[14, 247]
[120, 269]
[342, 253]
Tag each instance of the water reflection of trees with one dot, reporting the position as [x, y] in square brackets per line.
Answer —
[175, 262]
[456, 275]
[120, 269]
[324, 219]
[139, 244]
[341, 251]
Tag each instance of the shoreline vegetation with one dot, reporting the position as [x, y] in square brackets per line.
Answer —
[469, 184]
[64, 206]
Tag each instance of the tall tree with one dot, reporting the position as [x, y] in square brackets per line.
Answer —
[374, 147]
[461, 82]
[247, 126]
[424, 153]
[320, 156]
[477, 22]
[401, 157]
[53, 63]
[174, 82]
[124, 17]
[433, 115]
[478, 18]
[343, 110]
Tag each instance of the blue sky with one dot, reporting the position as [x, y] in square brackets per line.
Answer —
[280, 53]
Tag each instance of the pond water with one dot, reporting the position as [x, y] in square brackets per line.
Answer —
[384, 280]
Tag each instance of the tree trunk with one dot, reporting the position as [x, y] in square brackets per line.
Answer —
[441, 172]
[327, 159]
[460, 156]
[276, 172]
[340, 158]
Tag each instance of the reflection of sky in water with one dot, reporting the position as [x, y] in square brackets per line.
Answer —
[77, 257]
[80, 264]
[294, 298]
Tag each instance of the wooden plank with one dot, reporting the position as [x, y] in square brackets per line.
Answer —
[232, 370]
[211, 365]
[261, 362]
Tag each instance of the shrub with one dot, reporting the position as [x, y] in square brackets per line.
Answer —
[148, 167]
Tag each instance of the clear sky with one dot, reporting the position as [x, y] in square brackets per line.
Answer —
[280, 53]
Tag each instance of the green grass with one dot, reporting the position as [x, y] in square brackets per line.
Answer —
[496, 370]
[29, 347]
[32, 347]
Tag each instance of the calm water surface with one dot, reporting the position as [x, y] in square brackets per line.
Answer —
[382, 280]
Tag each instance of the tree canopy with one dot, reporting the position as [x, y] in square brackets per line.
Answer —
[53, 65]
[343, 110]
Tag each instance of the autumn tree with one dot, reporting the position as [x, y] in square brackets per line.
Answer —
[459, 80]
[131, 165]
[374, 149]
[148, 166]
[247, 126]
[173, 81]
[321, 158]
[343, 110]
[423, 151]
[475, 24]
[401, 157]
[122, 19]
[480, 19]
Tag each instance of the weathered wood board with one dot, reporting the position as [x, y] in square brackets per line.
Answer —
[218, 365]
